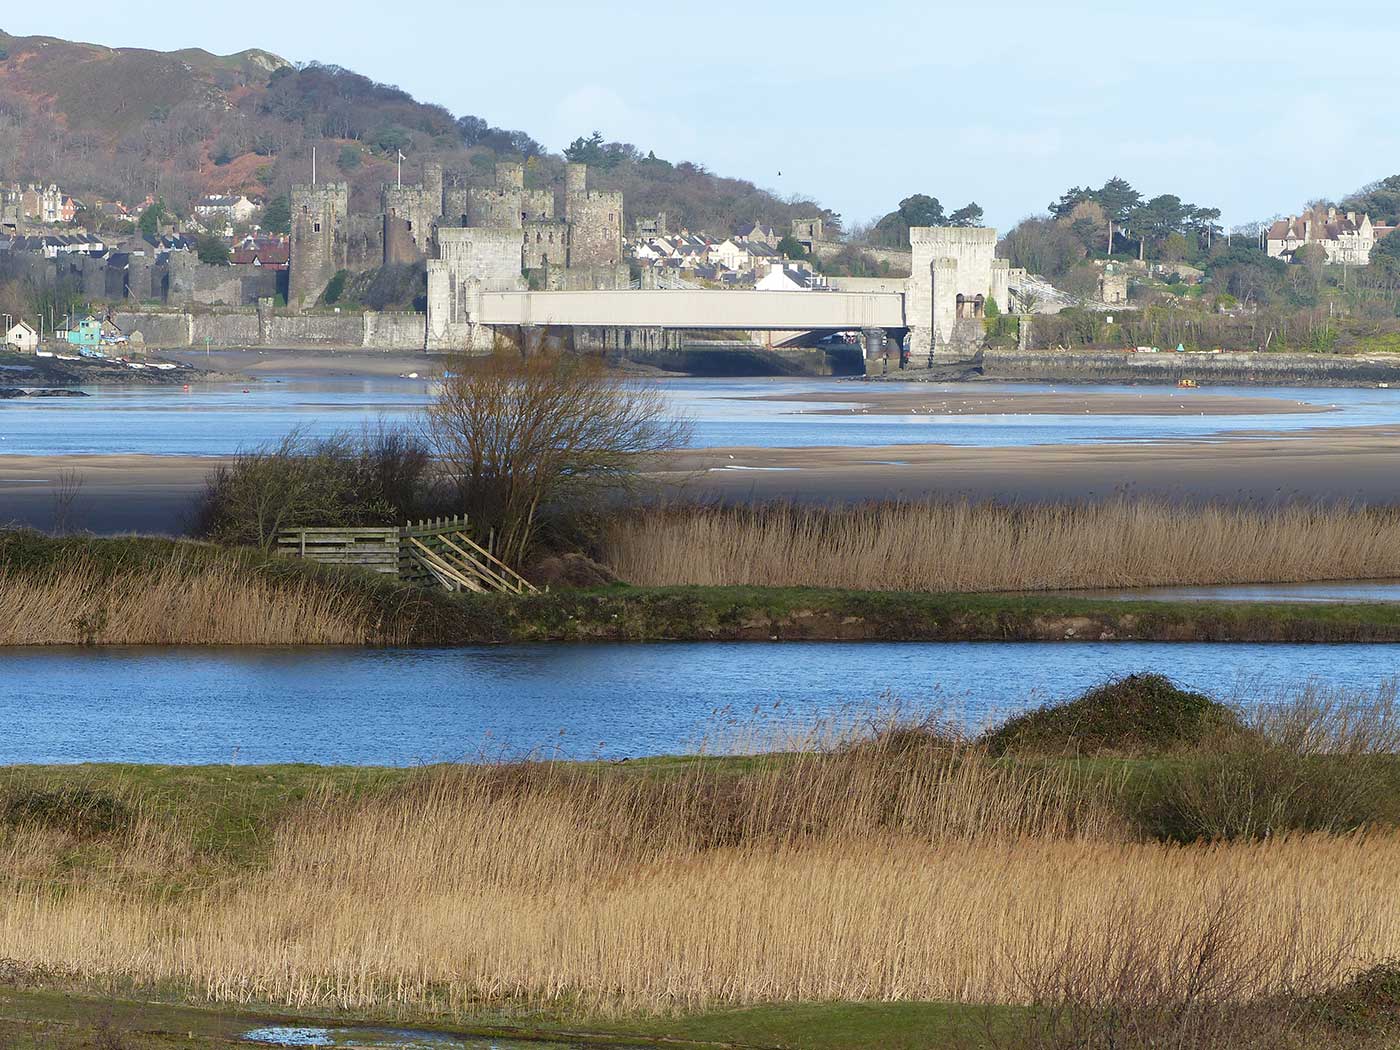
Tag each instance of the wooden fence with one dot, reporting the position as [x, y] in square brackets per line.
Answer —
[436, 553]
[375, 549]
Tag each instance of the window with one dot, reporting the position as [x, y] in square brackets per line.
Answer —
[316, 227]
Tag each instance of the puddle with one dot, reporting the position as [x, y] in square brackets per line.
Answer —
[387, 1039]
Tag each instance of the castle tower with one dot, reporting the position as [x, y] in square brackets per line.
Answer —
[318, 248]
[575, 180]
[432, 186]
[595, 221]
[510, 176]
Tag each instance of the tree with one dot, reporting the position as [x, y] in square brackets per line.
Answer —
[585, 150]
[968, 215]
[212, 250]
[472, 129]
[277, 216]
[522, 438]
[151, 219]
[792, 247]
[350, 158]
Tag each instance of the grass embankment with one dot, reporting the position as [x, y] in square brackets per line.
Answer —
[145, 591]
[1190, 866]
[964, 547]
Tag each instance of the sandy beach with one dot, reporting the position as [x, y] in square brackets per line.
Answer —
[155, 493]
[924, 402]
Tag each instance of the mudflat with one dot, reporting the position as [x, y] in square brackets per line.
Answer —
[324, 363]
[135, 493]
[1149, 403]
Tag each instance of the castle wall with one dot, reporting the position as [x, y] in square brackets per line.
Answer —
[546, 244]
[364, 245]
[192, 281]
[493, 207]
[417, 206]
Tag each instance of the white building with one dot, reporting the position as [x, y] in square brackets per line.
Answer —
[1346, 238]
[224, 211]
[783, 278]
[23, 338]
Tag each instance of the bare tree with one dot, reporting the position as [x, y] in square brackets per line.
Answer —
[68, 486]
[517, 436]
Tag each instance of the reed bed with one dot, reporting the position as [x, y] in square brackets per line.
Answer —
[228, 603]
[906, 867]
[988, 547]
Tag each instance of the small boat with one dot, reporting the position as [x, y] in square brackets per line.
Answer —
[1187, 384]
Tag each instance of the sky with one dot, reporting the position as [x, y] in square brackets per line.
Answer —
[1255, 107]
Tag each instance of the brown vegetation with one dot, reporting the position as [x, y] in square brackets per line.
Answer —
[986, 547]
[903, 866]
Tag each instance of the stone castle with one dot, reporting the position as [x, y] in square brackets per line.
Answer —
[472, 238]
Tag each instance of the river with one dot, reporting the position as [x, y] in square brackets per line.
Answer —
[220, 418]
[402, 707]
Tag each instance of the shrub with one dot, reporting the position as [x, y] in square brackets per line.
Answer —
[336, 288]
[380, 477]
[1139, 714]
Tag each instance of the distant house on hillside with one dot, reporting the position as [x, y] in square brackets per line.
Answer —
[1346, 238]
[223, 210]
[23, 338]
[756, 231]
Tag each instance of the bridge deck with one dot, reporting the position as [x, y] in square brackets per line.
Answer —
[740, 310]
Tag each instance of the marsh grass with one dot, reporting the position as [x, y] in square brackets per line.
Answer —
[907, 864]
[987, 547]
[151, 591]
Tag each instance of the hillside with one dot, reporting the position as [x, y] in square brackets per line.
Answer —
[125, 122]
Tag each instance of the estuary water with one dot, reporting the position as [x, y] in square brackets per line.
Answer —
[404, 707]
[220, 418]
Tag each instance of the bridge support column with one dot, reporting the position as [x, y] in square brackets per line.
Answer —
[872, 346]
[531, 339]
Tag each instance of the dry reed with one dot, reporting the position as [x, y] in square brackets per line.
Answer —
[906, 868]
[175, 604]
[986, 547]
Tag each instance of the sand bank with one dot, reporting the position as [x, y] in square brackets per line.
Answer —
[1360, 465]
[928, 402]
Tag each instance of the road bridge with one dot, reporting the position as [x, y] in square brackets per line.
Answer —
[695, 309]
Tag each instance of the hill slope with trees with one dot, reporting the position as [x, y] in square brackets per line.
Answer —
[125, 123]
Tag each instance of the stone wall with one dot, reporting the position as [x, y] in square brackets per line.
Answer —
[419, 207]
[546, 244]
[587, 278]
[1271, 369]
[197, 283]
[245, 328]
[900, 261]
[949, 262]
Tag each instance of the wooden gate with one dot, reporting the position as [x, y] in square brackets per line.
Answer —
[432, 553]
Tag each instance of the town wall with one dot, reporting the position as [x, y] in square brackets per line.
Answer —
[587, 278]
[245, 328]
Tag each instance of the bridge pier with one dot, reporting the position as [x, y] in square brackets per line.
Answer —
[873, 350]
